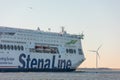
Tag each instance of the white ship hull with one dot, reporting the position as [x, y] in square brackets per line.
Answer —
[21, 50]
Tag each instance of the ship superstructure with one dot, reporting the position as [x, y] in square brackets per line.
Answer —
[36, 50]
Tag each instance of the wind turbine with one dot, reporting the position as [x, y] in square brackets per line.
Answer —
[97, 54]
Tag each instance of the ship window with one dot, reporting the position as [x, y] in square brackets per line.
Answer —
[11, 47]
[18, 47]
[1, 46]
[15, 47]
[22, 48]
[74, 51]
[45, 49]
[80, 51]
[67, 50]
[9, 33]
[4, 46]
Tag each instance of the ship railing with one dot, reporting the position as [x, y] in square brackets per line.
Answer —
[77, 36]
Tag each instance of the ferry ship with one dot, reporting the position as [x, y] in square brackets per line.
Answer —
[35, 50]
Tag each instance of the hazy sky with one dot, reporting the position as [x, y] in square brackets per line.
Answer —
[98, 19]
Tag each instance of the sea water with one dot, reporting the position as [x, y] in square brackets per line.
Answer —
[79, 75]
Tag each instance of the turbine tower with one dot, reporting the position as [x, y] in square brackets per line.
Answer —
[97, 55]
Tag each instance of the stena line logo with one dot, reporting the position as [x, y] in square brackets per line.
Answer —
[41, 63]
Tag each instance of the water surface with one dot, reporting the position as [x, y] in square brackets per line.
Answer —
[79, 75]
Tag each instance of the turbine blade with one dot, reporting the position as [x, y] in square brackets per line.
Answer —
[92, 50]
[99, 47]
[98, 54]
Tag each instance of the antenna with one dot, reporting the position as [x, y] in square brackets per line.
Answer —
[49, 29]
[38, 29]
[97, 55]
[62, 29]
[82, 35]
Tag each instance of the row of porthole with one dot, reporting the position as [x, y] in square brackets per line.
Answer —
[32, 39]
[70, 51]
[11, 47]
